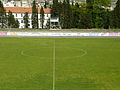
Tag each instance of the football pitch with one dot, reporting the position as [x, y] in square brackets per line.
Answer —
[59, 64]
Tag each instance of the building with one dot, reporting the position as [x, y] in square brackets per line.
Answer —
[55, 23]
[19, 13]
[18, 3]
[113, 3]
[22, 3]
[9, 4]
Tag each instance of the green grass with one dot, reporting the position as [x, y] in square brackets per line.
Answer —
[81, 64]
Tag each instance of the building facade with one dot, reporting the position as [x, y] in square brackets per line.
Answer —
[19, 13]
[113, 3]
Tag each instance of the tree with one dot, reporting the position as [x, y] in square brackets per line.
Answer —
[85, 17]
[66, 14]
[17, 23]
[62, 14]
[97, 11]
[34, 16]
[3, 18]
[75, 16]
[46, 4]
[116, 15]
[89, 14]
[12, 23]
[105, 3]
[26, 20]
[42, 16]
[112, 20]
[48, 24]
[106, 19]
[55, 9]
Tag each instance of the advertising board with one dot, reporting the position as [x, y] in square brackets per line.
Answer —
[3, 33]
[59, 34]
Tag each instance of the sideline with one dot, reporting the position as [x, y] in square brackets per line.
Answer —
[54, 65]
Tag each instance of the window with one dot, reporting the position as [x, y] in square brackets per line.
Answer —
[21, 21]
[47, 15]
[21, 15]
[16, 14]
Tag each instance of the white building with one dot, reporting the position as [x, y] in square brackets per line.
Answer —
[55, 23]
[21, 3]
[18, 3]
[8, 4]
[19, 13]
[113, 3]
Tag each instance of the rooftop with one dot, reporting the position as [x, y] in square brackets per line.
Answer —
[25, 9]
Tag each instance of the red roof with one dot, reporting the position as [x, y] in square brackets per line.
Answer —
[25, 9]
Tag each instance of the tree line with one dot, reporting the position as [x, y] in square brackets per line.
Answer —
[7, 20]
[92, 14]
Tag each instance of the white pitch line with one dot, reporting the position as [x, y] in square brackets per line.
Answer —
[54, 66]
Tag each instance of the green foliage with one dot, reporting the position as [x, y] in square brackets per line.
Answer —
[34, 16]
[97, 17]
[3, 18]
[66, 15]
[97, 14]
[17, 23]
[89, 15]
[26, 20]
[12, 23]
[81, 16]
[42, 17]
[106, 19]
[55, 9]
[99, 2]
[46, 5]
[75, 16]
[85, 17]
[116, 16]
[102, 2]
[48, 24]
